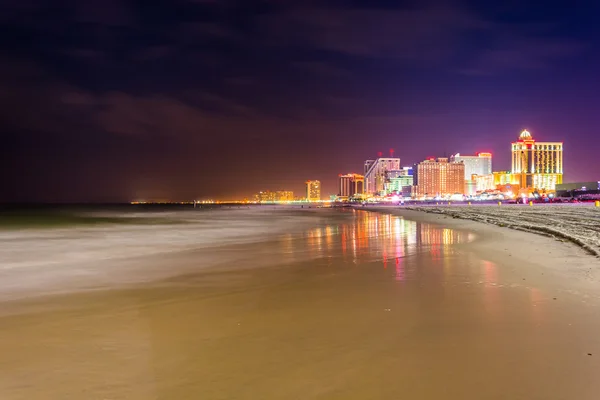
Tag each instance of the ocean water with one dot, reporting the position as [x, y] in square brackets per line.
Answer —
[94, 247]
[126, 246]
[275, 303]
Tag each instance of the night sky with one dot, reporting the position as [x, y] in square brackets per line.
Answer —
[123, 100]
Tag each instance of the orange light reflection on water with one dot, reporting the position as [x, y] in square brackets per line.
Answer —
[373, 236]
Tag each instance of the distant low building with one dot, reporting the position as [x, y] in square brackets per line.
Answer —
[285, 195]
[408, 192]
[471, 187]
[396, 184]
[593, 185]
[505, 178]
[268, 196]
[484, 182]
[579, 189]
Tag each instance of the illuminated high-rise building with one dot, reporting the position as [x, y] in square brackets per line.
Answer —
[313, 190]
[538, 165]
[475, 167]
[479, 164]
[351, 184]
[368, 165]
[439, 178]
[376, 173]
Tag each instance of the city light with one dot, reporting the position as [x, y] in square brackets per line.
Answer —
[535, 173]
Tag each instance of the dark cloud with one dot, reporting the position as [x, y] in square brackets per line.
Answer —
[107, 12]
[324, 69]
[421, 34]
[173, 89]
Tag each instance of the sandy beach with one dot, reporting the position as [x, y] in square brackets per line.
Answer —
[374, 305]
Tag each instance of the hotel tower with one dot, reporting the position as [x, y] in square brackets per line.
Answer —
[439, 178]
[537, 165]
[313, 190]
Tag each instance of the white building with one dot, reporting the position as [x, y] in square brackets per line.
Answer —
[376, 173]
[479, 164]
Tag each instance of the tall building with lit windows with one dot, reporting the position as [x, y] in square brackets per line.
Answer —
[313, 190]
[476, 167]
[439, 177]
[351, 184]
[537, 165]
[376, 173]
[479, 164]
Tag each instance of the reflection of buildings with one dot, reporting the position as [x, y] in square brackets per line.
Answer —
[439, 178]
[378, 236]
[268, 197]
[313, 190]
[351, 184]
[434, 235]
[537, 165]
[386, 239]
[376, 173]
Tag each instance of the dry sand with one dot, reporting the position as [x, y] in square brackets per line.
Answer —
[387, 309]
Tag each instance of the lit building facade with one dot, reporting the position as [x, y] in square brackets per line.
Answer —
[313, 190]
[484, 182]
[537, 165]
[439, 178]
[351, 184]
[479, 164]
[376, 173]
[268, 196]
[396, 184]
[471, 187]
[395, 173]
[284, 195]
[505, 178]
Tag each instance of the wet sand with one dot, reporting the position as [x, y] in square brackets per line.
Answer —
[383, 308]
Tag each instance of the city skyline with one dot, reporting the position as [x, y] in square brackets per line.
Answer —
[224, 98]
[386, 169]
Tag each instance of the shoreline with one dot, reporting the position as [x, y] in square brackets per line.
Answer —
[531, 220]
[510, 248]
[540, 253]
